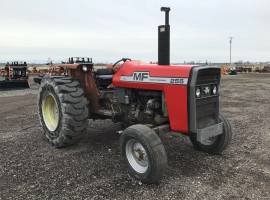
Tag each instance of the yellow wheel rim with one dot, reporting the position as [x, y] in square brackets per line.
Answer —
[50, 112]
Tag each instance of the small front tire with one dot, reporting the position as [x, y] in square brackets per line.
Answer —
[217, 144]
[144, 153]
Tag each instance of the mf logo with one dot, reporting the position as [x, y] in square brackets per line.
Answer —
[140, 76]
[206, 90]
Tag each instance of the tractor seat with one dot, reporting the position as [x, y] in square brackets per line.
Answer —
[104, 71]
[103, 77]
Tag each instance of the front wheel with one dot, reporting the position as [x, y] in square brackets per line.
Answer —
[217, 144]
[144, 153]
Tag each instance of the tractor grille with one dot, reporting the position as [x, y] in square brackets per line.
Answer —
[206, 76]
[207, 105]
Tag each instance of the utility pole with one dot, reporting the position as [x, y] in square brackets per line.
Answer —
[230, 40]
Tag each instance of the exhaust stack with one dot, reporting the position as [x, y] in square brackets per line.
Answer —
[164, 39]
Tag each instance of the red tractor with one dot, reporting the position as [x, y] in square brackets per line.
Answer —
[148, 100]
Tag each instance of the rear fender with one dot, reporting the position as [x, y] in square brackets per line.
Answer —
[88, 83]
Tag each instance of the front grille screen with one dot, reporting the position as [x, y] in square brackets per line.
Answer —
[207, 108]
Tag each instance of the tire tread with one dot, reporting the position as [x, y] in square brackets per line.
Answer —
[74, 109]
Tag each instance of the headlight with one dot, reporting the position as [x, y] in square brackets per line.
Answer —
[84, 68]
[198, 92]
[214, 90]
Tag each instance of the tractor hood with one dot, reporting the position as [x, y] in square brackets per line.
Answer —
[134, 74]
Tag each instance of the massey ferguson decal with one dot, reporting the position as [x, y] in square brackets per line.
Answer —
[146, 78]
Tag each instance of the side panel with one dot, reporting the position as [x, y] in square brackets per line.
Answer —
[172, 80]
[176, 101]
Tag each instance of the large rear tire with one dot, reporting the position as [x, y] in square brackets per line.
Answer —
[144, 153]
[217, 144]
[62, 110]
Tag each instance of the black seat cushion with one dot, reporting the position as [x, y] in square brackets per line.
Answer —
[103, 77]
[104, 72]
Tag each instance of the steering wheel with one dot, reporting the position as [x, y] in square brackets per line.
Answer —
[121, 60]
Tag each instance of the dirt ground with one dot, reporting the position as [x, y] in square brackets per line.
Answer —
[31, 169]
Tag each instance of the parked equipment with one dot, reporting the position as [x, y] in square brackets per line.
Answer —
[148, 99]
[14, 75]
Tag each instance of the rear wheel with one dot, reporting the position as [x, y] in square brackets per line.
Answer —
[217, 144]
[144, 153]
[62, 110]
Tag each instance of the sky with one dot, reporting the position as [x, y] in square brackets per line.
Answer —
[106, 30]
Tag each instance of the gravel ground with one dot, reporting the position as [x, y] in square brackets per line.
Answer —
[32, 169]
